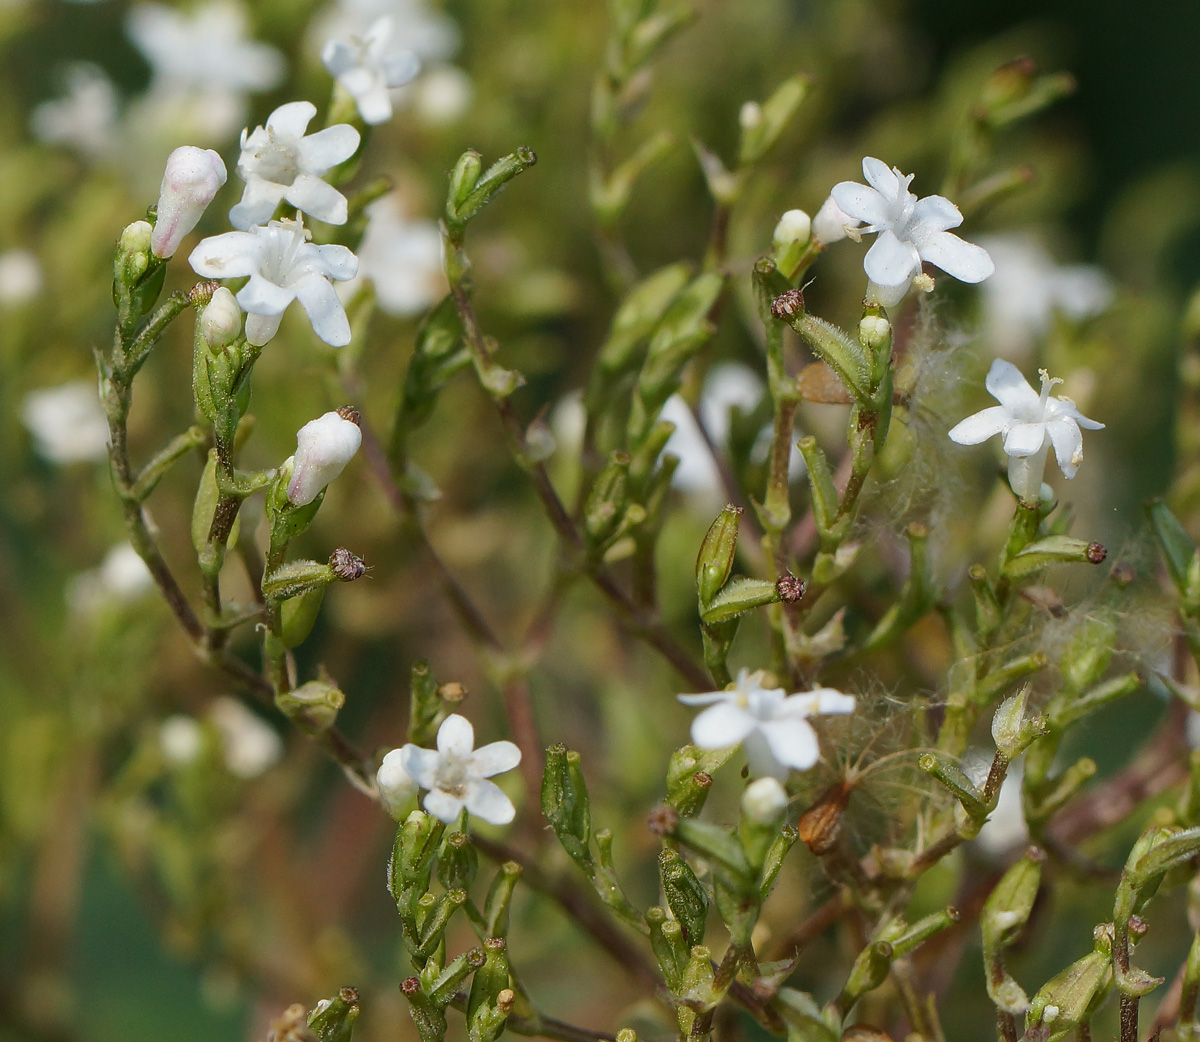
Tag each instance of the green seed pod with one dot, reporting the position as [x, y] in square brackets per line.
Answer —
[715, 560]
[685, 896]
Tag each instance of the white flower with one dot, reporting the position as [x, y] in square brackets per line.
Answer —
[771, 726]
[85, 118]
[203, 66]
[221, 319]
[428, 32]
[1030, 424]
[456, 774]
[20, 277]
[397, 789]
[402, 258]
[191, 179]
[121, 578]
[67, 422]
[250, 744]
[1028, 288]
[832, 224]
[279, 162]
[323, 448]
[181, 739]
[909, 231]
[441, 96]
[363, 66]
[283, 266]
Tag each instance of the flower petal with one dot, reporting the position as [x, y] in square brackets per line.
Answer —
[456, 736]
[226, 256]
[1068, 444]
[1006, 384]
[292, 119]
[261, 328]
[721, 725]
[336, 261]
[486, 800]
[819, 700]
[374, 104]
[420, 764]
[495, 758]
[1024, 439]
[935, 213]
[326, 148]
[891, 261]
[881, 177]
[400, 68]
[793, 742]
[316, 198]
[982, 425]
[325, 312]
[442, 805]
[964, 260]
[708, 698]
[761, 759]
[261, 297]
[1060, 407]
[338, 57]
[860, 203]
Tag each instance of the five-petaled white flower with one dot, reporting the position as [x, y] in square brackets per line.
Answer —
[280, 163]
[283, 266]
[909, 231]
[323, 448]
[456, 773]
[771, 726]
[1030, 424]
[366, 69]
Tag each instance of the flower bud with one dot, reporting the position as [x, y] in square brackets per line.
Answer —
[323, 448]
[221, 320]
[715, 560]
[764, 801]
[397, 789]
[313, 707]
[136, 237]
[192, 177]
[793, 226]
[832, 223]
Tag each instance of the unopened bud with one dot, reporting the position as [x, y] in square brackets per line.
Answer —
[750, 116]
[793, 226]
[221, 320]
[397, 789]
[191, 180]
[313, 707]
[874, 331]
[323, 448]
[135, 237]
[764, 801]
[715, 560]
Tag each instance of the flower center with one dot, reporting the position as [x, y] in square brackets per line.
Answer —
[276, 162]
[452, 776]
[1048, 382]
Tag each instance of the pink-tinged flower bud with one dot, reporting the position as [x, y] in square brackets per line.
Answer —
[191, 179]
[221, 319]
[323, 448]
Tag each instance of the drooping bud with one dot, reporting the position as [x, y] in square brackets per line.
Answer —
[192, 178]
[323, 448]
[221, 320]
